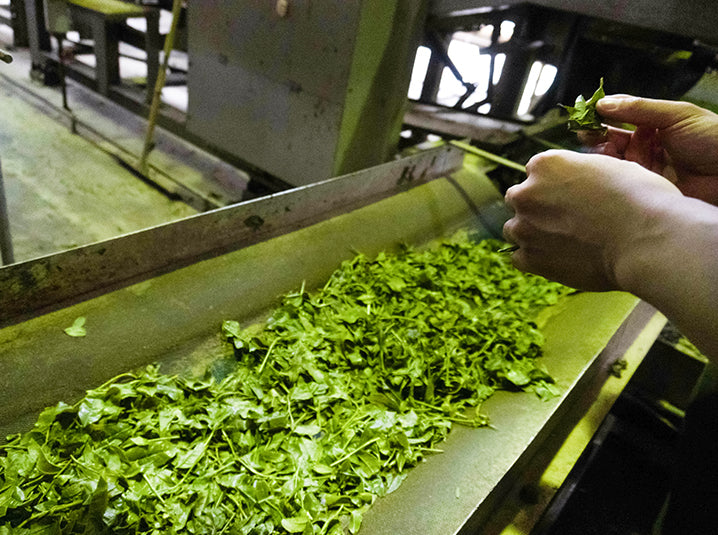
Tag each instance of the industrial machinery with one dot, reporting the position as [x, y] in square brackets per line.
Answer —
[294, 91]
[312, 102]
[161, 294]
[657, 50]
[262, 76]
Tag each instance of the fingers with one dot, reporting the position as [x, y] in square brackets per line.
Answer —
[508, 231]
[514, 228]
[648, 112]
[544, 162]
[613, 142]
[644, 148]
[591, 138]
[607, 149]
[533, 261]
[510, 197]
[520, 229]
[704, 188]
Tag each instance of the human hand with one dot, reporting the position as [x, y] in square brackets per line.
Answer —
[577, 215]
[678, 140]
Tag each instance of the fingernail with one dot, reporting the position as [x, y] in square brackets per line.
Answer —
[609, 104]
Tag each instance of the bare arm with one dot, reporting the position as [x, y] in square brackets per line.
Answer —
[599, 223]
[677, 270]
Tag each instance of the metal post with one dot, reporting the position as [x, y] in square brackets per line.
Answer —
[63, 74]
[6, 253]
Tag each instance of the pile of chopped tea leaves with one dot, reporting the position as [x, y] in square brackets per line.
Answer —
[331, 402]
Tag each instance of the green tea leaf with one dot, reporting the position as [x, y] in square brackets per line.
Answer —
[295, 524]
[330, 403]
[583, 114]
[77, 329]
[355, 522]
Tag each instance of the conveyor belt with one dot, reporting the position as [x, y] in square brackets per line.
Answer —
[173, 296]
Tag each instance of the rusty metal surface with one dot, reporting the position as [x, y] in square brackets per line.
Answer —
[45, 283]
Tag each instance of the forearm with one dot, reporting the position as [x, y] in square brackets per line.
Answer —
[674, 266]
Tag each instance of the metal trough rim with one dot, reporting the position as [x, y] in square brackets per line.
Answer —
[37, 286]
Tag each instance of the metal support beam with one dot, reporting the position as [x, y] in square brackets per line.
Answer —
[6, 252]
[19, 23]
[38, 36]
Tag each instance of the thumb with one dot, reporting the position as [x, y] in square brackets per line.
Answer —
[648, 112]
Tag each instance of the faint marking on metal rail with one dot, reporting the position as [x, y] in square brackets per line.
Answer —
[31, 288]
[488, 155]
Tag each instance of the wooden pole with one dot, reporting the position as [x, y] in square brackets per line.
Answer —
[488, 155]
[159, 85]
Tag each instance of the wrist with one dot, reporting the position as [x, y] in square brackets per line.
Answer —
[668, 245]
[649, 236]
[676, 269]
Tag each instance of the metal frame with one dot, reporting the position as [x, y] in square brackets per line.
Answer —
[696, 19]
[627, 43]
[45, 283]
[107, 31]
[18, 22]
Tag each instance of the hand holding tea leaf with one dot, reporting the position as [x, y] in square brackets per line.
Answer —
[583, 114]
[675, 139]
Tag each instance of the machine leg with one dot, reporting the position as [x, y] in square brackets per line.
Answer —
[63, 75]
[19, 24]
[107, 71]
[6, 252]
[152, 46]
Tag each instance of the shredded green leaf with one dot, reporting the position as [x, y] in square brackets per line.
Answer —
[332, 401]
[583, 114]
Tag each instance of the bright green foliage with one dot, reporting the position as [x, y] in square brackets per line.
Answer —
[583, 115]
[331, 402]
